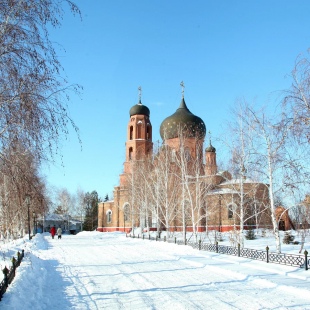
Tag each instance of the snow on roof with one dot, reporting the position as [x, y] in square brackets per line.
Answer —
[222, 191]
[238, 181]
[60, 218]
[108, 201]
[55, 217]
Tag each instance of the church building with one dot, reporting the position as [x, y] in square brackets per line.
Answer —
[178, 186]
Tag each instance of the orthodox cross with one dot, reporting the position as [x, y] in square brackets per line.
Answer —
[183, 86]
[140, 91]
[210, 136]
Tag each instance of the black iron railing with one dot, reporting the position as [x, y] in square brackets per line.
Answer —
[9, 274]
[295, 260]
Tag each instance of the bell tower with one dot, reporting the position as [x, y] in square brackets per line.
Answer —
[139, 136]
[211, 167]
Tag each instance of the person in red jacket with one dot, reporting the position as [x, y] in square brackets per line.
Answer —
[53, 231]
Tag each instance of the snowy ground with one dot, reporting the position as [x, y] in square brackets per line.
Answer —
[109, 271]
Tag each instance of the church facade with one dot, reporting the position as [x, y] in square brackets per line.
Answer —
[178, 186]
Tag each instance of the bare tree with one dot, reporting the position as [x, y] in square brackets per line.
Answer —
[272, 158]
[19, 176]
[33, 100]
[296, 102]
[32, 93]
[80, 206]
[249, 197]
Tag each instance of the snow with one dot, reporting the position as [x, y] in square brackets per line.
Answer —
[93, 270]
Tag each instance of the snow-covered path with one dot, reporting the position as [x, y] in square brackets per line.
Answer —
[109, 271]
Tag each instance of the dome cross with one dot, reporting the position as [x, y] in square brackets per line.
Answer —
[182, 86]
[140, 93]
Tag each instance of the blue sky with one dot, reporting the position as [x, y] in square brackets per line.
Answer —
[222, 50]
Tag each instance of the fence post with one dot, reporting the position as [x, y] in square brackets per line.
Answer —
[143, 236]
[306, 260]
[238, 249]
[217, 246]
[18, 258]
[185, 241]
[164, 238]
[138, 236]
[14, 265]
[267, 250]
[6, 280]
[199, 245]
[156, 238]
[175, 240]
[149, 237]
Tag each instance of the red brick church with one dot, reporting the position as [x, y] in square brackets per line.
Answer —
[196, 197]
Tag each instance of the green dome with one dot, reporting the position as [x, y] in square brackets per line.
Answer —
[183, 118]
[211, 148]
[139, 108]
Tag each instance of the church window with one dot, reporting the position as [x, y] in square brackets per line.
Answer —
[173, 155]
[126, 213]
[231, 208]
[130, 153]
[187, 154]
[148, 132]
[139, 130]
[131, 133]
[109, 216]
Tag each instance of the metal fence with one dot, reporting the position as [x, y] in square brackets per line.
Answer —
[9, 274]
[301, 260]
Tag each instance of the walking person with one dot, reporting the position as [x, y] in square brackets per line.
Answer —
[59, 232]
[53, 231]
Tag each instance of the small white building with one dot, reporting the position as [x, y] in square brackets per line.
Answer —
[64, 221]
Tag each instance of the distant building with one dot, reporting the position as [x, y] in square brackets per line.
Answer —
[183, 134]
[66, 222]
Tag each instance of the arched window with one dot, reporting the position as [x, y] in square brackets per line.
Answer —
[126, 212]
[188, 154]
[109, 216]
[130, 153]
[139, 130]
[148, 132]
[131, 133]
[231, 209]
[173, 155]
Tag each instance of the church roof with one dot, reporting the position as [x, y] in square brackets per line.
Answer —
[183, 119]
[140, 109]
[211, 148]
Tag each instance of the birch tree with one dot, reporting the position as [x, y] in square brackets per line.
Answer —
[296, 102]
[168, 186]
[247, 196]
[33, 98]
[33, 93]
[271, 157]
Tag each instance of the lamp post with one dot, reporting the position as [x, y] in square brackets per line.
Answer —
[34, 223]
[43, 218]
[28, 206]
